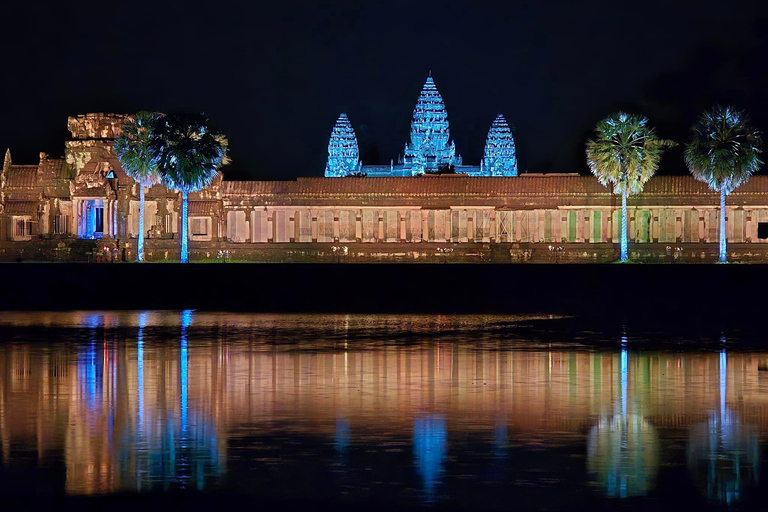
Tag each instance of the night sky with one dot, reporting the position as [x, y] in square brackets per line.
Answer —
[275, 75]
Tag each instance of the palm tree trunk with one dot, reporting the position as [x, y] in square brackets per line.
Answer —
[624, 230]
[184, 228]
[723, 242]
[140, 241]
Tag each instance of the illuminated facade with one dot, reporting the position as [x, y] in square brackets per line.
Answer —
[84, 206]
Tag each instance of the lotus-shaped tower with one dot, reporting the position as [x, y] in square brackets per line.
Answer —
[430, 147]
[343, 152]
[500, 158]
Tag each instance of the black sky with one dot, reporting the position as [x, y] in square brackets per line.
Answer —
[275, 75]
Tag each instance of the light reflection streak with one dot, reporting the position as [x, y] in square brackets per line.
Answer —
[185, 398]
[342, 436]
[430, 447]
[623, 449]
[723, 453]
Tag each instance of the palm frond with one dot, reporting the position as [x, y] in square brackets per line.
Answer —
[188, 153]
[133, 148]
[625, 152]
[723, 150]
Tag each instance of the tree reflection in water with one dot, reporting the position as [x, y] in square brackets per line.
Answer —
[116, 401]
[723, 453]
[167, 447]
[623, 449]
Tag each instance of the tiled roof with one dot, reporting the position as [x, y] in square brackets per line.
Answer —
[21, 176]
[55, 168]
[241, 188]
[21, 207]
[202, 207]
[526, 191]
[421, 186]
[57, 188]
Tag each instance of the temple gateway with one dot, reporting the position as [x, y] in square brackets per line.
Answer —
[83, 207]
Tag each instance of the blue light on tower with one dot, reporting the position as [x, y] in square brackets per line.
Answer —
[430, 147]
[500, 158]
[343, 151]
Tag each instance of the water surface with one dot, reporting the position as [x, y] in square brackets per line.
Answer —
[492, 412]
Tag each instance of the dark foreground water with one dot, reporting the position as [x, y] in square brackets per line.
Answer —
[476, 412]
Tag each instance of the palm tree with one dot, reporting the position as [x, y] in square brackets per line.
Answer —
[189, 155]
[133, 150]
[723, 152]
[625, 153]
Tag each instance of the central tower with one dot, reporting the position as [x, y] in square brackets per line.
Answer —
[430, 147]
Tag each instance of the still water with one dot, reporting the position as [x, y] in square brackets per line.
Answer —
[477, 411]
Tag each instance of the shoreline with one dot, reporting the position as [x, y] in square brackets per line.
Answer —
[602, 290]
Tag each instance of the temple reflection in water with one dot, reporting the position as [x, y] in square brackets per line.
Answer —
[147, 401]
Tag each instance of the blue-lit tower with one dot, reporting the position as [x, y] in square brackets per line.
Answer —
[430, 147]
[343, 152]
[500, 158]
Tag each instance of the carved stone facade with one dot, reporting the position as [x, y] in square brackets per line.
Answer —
[76, 207]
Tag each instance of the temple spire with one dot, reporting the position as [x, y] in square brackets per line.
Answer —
[500, 156]
[430, 146]
[7, 162]
[343, 152]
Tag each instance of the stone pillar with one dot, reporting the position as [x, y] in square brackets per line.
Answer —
[78, 217]
[336, 225]
[609, 225]
[587, 233]
[313, 224]
[425, 225]
[493, 226]
[107, 228]
[359, 225]
[401, 215]
[271, 226]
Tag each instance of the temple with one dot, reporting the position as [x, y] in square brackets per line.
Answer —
[83, 207]
[343, 152]
[430, 150]
[500, 158]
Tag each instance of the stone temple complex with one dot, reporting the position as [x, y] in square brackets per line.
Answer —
[83, 207]
[430, 148]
